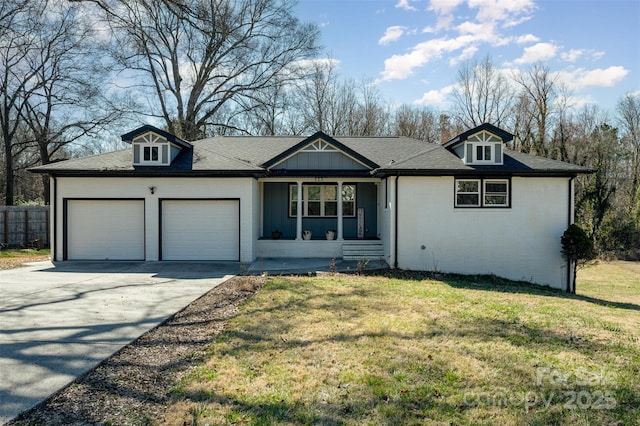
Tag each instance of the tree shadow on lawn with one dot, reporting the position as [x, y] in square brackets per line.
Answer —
[496, 284]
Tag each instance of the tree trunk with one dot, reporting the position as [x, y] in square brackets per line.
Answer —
[9, 173]
[44, 159]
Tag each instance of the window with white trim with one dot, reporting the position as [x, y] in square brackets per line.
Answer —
[496, 192]
[322, 200]
[467, 192]
[150, 150]
[482, 193]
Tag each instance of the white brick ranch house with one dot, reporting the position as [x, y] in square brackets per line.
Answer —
[467, 206]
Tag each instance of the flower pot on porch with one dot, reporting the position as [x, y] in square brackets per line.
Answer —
[306, 234]
[275, 235]
[330, 235]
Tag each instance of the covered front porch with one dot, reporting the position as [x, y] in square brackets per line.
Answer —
[319, 217]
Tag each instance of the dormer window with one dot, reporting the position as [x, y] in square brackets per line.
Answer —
[150, 149]
[483, 148]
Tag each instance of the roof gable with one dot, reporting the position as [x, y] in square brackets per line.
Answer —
[320, 143]
[141, 131]
[503, 135]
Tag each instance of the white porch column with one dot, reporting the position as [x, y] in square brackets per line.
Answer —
[339, 195]
[261, 198]
[393, 201]
[299, 213]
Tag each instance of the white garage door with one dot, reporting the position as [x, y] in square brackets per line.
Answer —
[200, 230]
[105, 229]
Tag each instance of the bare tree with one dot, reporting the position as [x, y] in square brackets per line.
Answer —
[70, 101]
[19, 65]
[482, 94]
[324, 101]
[596, 144]
[563, 130]
[538, 91]
[628, 109]
[195, 58]
[264, 112]
[523, 124]
[418, 123]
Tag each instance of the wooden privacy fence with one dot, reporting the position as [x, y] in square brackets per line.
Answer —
[24, 226]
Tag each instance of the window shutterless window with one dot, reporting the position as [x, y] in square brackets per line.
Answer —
[467, 192]
[150, 153]
[482, 193]
[496, 193]
[322, 200]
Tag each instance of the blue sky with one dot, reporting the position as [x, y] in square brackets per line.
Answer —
[412, 49]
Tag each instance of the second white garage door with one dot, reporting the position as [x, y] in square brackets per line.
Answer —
[200, 230]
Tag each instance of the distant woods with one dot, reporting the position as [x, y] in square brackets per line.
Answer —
[77, 74]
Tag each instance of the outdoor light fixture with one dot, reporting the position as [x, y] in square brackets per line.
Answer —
[152, 189]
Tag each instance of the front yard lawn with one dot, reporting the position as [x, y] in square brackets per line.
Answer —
[354, 350]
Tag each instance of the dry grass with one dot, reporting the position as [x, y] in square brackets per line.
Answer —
[15, 258]
[465, 350]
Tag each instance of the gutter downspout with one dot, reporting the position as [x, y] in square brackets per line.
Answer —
[395, 260]
[53, 220]
[571, 287]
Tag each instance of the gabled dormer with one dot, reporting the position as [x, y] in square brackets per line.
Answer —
[481, 146]
[154, 147]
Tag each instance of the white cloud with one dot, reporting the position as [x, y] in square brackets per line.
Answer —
[581, 78]
[466, 54]
[527, 38]
[401, 66]
[491, 15]
[510, 11]
[443, 7]
[481, 32]
[435, 97]
[537, 52]
[310, 63]
[572, 55]
[392, 34]
[404, 4]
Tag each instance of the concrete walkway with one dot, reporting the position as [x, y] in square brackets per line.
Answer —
[57, 323]
[305, 266]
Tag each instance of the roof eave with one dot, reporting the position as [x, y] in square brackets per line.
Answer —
[158, 174]
[475, 172]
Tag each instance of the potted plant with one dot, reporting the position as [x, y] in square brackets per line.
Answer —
[306, 234]
[275, 235]
[330, 234]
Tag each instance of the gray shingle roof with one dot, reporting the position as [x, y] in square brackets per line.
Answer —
[246, 155]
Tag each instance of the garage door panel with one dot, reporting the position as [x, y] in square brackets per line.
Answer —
[200, 230]
[105, 229]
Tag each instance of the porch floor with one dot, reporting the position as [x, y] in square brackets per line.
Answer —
[305, 266]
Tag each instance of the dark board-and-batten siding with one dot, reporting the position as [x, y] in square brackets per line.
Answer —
[320, 161]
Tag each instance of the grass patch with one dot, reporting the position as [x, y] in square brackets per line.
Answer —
[18, 253]
[375, 350]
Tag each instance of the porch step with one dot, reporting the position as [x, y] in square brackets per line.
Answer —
[363, 250]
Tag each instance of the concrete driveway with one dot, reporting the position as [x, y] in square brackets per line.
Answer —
[58, 322]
